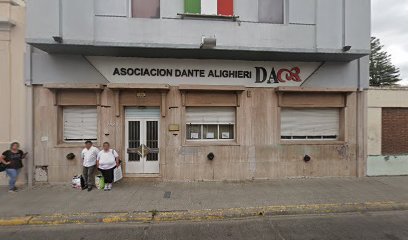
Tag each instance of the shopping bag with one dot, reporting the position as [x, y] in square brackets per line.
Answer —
[101, 182]
[97, 181]
[117, 174]
[76, 182]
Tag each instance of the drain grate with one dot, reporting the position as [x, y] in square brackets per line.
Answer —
[167, 194]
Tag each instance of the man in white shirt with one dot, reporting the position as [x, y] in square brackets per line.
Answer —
[88, 156]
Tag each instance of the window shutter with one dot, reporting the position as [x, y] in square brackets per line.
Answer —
[149, 112]
[206, 115]
[80, 123]
[310, 122]
[192, 6]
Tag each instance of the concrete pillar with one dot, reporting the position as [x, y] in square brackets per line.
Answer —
[12, 90]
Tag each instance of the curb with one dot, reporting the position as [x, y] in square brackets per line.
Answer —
[155, 216]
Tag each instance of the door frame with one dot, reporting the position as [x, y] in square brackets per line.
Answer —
[126, 136]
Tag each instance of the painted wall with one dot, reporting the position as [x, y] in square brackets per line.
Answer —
[378, 164]
[257, 154]
[12, 91]
[312, 25]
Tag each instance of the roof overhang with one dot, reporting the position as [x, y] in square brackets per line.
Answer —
[315, 89]
[212, 88]
[70, 86]
[138, 86]
[268, 54]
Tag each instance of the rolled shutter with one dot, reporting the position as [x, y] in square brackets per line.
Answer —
[80, 123]
[310, 122]
[207, 115]
[149, 112]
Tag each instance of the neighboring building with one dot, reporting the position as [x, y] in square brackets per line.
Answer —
[191, 90]
[387, 131]
[14, 96]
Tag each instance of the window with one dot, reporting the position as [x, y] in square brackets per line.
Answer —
[310, 123]
[145, 8]
[209, 7]
[271, 11]
[80, 124]
[210, 123]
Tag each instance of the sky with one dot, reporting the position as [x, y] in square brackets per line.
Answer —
[390, 25]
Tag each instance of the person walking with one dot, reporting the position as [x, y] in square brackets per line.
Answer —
[13, 159]
[107, 161]
[88, 156]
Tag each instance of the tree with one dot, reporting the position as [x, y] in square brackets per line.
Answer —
[382, 71]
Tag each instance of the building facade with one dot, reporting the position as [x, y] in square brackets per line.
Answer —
[190, 90]
[387, 131]
[14, 96]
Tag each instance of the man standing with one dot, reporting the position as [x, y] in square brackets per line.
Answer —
[88, 157]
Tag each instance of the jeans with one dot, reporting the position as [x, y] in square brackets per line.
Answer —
[89, 175]
[13, 174]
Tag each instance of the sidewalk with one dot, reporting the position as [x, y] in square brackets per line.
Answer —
[138, 201]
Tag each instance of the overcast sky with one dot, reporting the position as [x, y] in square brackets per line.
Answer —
[390, 25]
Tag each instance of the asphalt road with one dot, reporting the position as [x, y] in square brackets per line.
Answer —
[379, 225]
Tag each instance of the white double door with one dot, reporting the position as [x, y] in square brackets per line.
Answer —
[142, 140]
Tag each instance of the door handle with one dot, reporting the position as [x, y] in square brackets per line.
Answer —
[142, 150]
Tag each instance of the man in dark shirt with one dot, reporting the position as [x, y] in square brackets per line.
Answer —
[13, 159]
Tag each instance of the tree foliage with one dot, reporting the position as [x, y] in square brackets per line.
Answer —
[382, 71]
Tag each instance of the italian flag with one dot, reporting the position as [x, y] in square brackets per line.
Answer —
[209, 7]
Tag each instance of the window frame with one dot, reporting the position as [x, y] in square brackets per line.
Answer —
[285, 14]
[61, 138]
[130, 15]
[211, 139]
[202, 141]
[341, 138]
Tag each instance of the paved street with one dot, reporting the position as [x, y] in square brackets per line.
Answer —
[371, 226]
[146, 196]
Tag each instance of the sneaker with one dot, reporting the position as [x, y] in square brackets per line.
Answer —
[110, 186]
[106, 188]
[13, 190]
[89, 189]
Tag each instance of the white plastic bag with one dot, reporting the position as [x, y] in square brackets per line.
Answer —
[98, 181]
[117, 174]
[76, 182]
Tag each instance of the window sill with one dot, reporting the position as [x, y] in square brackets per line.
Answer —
[73, 145]
[309, 142]
[209, 143]
[207, 16]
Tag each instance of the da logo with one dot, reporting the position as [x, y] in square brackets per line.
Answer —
[280, 76]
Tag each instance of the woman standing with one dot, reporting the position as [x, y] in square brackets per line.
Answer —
[13, 159]
[106, 162]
